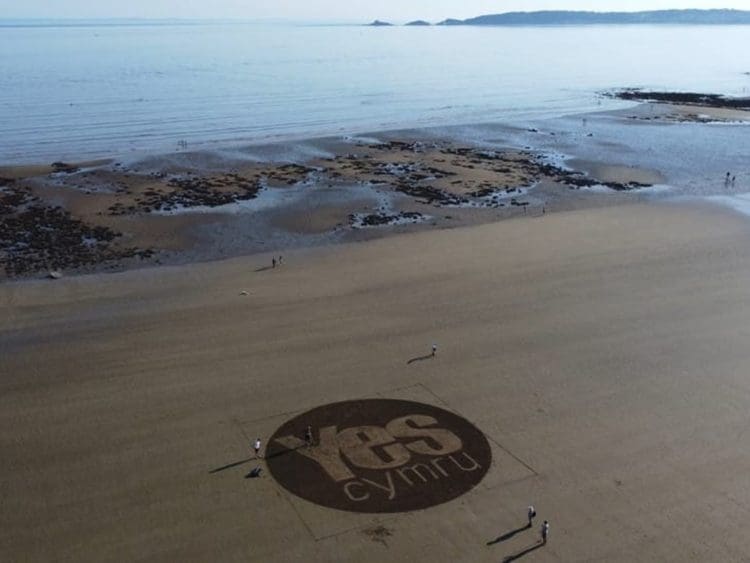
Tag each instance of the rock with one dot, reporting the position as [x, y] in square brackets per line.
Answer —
[683, 98]
[63, 167]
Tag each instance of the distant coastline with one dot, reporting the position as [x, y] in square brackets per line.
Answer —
[565, 17]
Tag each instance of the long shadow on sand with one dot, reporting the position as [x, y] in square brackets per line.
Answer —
[264, 268]
[524, 552]
[420, 359]
[230, 465]
[284, 451]
[508, 535]
[273, 453]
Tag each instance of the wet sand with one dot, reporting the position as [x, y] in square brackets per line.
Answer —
[603, 352]
[189, 207]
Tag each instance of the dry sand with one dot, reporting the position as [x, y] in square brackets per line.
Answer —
[603, 352]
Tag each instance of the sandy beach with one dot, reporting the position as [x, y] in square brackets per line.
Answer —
[602, 353]
[280, 286]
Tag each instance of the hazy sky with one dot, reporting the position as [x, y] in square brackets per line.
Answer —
[328, 10]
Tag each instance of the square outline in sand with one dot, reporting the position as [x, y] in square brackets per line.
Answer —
[338, 522]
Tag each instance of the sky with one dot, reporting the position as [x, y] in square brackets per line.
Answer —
[328, 10]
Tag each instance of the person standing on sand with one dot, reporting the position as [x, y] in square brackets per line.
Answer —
[256, 447]
[434, 350]
[531, 515]
[545, 531]
[273, 262]
[727, 179]
[281, 260]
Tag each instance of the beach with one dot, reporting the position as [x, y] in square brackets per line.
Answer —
[601, 351]
[191, 206]
[276, 292]
[427, 330]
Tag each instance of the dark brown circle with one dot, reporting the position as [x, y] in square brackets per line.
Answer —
[378, 455]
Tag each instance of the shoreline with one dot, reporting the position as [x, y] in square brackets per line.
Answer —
[198, 206]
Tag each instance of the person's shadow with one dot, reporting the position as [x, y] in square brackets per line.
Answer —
[526, 551]
[508, 535]
[421, 359]
[230, 465]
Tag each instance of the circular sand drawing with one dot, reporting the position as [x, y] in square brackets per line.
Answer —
[378, 455]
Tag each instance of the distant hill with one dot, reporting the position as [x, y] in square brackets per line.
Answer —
[451, 21]
[705, 17]
[378, 23]
[418, 22]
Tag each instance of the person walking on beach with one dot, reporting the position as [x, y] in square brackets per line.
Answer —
[545, 531]
[281, 260]
[273, 262]
[309, 436]
[531, 515]
[727, 178]
[434, 350]
[256, 447]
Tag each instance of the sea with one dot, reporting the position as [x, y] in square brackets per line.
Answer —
[74, 90]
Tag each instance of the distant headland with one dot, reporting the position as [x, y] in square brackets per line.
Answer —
[560, 17]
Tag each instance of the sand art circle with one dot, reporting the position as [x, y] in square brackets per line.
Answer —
[378, 455]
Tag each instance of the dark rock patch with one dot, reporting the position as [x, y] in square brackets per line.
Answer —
[64, 168]
[576, 180]
[683, 98]
[192, 192]
[382, 219]
[36, 237]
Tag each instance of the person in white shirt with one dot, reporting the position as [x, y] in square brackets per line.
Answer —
[257, 447]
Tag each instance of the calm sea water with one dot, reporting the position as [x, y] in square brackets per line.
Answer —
[99, 90]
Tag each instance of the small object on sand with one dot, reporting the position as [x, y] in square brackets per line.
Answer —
[254, 473]
[244, 293]
[54, 274]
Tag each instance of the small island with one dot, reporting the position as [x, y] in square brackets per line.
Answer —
[451, 21]
[378, 23]
[418, 23]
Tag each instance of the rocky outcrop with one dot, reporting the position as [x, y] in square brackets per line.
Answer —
[683, 98]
